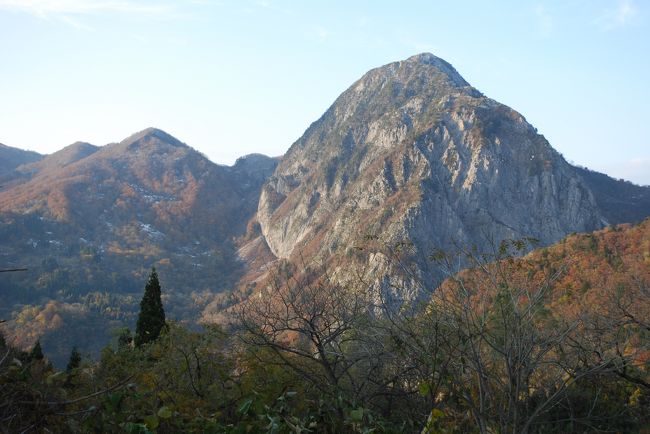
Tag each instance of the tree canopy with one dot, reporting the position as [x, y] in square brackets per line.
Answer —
[151, 319]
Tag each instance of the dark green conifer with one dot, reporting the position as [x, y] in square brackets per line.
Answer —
[75, 360]
[152, 315]
[37, 352]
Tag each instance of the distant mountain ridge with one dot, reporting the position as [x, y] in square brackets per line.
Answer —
[10, 158]
[89, 222]
[61, 158]
[619, 201]
[151, 170]
[410, 154]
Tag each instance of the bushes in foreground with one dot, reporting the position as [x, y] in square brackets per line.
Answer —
[491, 350]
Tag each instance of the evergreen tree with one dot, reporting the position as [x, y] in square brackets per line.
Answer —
[37, 352]
[75, 360]
[152, 315]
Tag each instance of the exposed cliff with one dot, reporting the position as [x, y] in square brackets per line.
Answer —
[412, 151]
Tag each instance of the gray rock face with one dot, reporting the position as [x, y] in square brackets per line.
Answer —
[412, 151]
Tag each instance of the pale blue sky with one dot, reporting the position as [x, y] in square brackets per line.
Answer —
[235, 77]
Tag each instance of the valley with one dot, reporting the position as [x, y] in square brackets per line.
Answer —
[420, 250]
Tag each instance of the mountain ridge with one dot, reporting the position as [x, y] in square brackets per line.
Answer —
[11, 158]
[410, 156]
[411, 146]
[90, 226]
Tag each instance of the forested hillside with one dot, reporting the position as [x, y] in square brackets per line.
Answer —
[410, 154]
[88, 222]
[556, 341]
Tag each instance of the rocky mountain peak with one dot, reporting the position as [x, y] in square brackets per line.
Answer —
[403, 96]
[429, 60]
[412, 151]
[420, 75]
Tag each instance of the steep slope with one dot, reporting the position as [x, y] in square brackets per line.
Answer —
[151, 180]
[10, 158]
[59, 159]
[89, 222]
[620, 201]
[597, 280]
[412, 152]
[48, 164]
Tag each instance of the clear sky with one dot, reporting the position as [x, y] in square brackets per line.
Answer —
[236, 77]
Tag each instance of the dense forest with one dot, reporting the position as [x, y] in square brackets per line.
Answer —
[88, 222]
[557, 340]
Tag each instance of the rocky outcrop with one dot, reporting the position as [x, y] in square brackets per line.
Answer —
[412, 151]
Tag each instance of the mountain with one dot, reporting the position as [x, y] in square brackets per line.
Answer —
[89, 222]
[166, 191]
[10, 158]
[408, 160]
[48, 163]
[59, 159]
[599, 278]
[411, 152]
[620, 201]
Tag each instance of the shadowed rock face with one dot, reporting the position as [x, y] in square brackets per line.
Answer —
[412, 151]
[619, 201]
